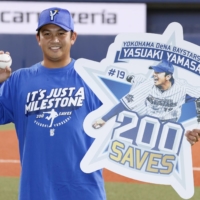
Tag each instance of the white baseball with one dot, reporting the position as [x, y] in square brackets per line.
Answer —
[5, 61]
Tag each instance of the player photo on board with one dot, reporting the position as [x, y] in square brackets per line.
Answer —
[160, 95]
[149, 88]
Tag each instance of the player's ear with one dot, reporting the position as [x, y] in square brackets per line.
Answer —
[38, 38]
[73, 37]
[168, 77]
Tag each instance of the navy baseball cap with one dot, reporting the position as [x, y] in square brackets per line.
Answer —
[58, 16]
[163, 66]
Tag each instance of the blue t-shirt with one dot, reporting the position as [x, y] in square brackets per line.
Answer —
[48, 107]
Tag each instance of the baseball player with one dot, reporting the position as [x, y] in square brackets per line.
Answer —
[162, 98]
[50, 155]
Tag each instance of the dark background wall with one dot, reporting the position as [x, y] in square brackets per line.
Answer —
[25, 50]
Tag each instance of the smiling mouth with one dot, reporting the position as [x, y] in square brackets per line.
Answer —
[54, 48]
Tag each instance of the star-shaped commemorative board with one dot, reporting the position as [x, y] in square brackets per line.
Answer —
[149, 87]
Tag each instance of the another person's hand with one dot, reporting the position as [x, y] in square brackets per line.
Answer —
[98, 123]
[193, 136]
[5, 73]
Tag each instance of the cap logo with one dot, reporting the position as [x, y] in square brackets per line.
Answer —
[53, 13]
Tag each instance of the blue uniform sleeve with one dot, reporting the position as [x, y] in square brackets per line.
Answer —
[6, 110]
[114, 111]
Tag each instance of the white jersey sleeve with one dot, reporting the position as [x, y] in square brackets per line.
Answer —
[137, 80]
[137, 96]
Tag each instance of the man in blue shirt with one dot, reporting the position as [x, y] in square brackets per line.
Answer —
[48, 103]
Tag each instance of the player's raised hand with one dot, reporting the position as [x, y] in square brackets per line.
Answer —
[98, 123]
[193, 136]
[6, 72]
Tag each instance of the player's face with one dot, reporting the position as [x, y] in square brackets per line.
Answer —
[160, 78]
[55, 43]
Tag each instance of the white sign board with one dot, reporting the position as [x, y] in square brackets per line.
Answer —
[149, 86]
[89, 18]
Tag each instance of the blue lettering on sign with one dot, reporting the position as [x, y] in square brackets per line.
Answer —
[170, 138]
[149, 132]
[143, 53]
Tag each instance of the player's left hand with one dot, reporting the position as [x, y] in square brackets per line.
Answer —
[193, 136]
